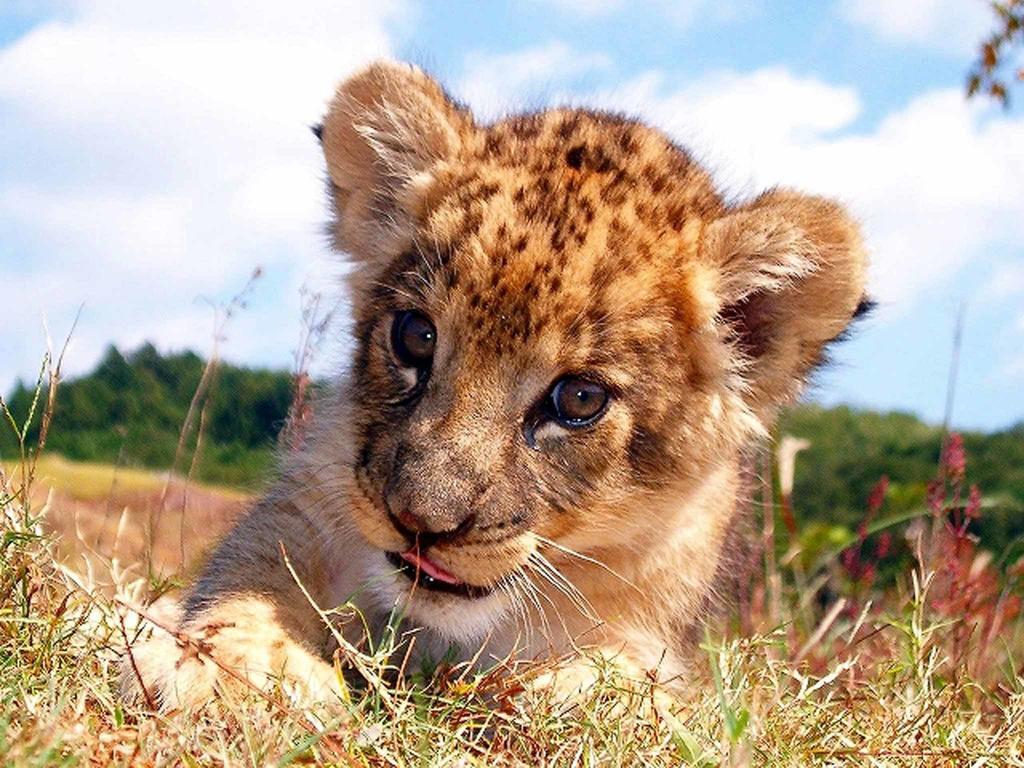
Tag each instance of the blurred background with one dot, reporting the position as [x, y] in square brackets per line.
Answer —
[159, 181]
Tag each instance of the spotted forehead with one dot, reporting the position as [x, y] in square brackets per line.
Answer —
[568, 222]
[564, 161]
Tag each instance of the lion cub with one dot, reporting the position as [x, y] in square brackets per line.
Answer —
[564, 342]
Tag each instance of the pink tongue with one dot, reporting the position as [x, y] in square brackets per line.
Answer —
[428, 567]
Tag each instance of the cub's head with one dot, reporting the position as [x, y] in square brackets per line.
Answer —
[561, 328]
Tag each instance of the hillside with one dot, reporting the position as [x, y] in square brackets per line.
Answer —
[130, 409]
[852, 449]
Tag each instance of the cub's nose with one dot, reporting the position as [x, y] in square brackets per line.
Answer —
[407, 522]
[430, 530]
[431, 494]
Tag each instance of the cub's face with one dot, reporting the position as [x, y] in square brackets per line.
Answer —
[561, 329]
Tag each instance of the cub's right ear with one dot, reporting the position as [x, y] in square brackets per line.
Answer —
[792, 270]
[386, 129]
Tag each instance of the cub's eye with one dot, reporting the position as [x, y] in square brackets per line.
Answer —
[576, 402]
[413, 338]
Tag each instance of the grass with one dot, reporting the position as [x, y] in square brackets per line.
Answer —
[817, 668]
[96, 482]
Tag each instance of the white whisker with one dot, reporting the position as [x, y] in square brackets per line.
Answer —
[531, 593]
[560, 582]
[586, 558]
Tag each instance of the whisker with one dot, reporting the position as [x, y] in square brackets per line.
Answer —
[531, 592]
[510, 588]
[586, 558]
[559, 581]
[396, 290]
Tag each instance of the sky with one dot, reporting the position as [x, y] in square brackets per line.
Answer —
[153, 154]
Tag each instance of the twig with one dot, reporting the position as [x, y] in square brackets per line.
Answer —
[821, 629]
[150, 701]
[773, 582]
[353, 654]
[51, 395]
[954, 370]
[947, 417]
[222, 315]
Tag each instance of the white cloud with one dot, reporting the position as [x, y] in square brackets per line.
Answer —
[951, 26]
[154, 153]
[1007, 280]
[682, 13]
[496, 84]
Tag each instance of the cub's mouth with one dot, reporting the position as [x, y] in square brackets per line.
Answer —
[425, 573]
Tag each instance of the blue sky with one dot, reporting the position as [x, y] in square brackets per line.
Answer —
[152, 154]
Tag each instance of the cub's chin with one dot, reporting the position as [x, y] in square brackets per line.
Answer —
[458, 612]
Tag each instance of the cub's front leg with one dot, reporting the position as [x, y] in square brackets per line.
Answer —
[246, 624]
[235, 645]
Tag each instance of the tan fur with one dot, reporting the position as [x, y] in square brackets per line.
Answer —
[563, 242]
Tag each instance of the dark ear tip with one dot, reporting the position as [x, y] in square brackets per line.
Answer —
[318, 131]
[865, 307]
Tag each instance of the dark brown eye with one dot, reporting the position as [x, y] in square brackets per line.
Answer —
[577, 402]
[413, 338]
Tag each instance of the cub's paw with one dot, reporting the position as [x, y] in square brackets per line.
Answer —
[232, 649]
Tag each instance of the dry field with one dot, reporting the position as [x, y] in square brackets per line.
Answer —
[98, 513]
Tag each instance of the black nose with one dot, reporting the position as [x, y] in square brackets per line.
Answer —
[419, 532]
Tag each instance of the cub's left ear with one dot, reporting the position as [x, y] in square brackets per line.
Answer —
[388, 127]
[791, 271]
